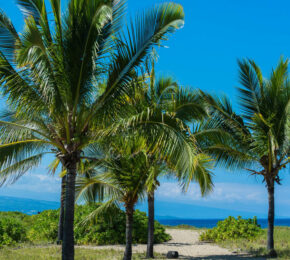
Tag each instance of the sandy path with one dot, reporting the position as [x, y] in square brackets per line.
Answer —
[188, 246]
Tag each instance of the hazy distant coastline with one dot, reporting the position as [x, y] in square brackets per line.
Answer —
[30, 206]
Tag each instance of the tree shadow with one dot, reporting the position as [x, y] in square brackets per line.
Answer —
[177, 244]
[222, 257]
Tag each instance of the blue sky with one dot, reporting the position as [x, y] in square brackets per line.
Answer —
[203, 54]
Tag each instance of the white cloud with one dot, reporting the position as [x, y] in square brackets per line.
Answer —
[222, 193]
[35, 186]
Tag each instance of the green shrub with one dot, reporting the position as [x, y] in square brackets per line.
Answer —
[140, 229]
[11, 231]
[231, 229]
[108, 228]
[43, 227]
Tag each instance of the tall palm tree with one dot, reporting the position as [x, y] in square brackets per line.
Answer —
[185, 158]
[258, 140]
[165, 94]
[65, 75]
[200, 173]
[123, 175]
[61, 211]
[53, 167]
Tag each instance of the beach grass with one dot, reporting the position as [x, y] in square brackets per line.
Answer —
[29, 252]
[258, 246]
[183, 226]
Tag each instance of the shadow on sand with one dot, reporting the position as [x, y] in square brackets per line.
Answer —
[222, 257]
[178, 244]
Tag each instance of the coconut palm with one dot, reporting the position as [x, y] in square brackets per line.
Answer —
[186, 160]
[123, 177]
[65, 75]
[163, 168]
[53, 167]
[122, 174]
[61, 211]
[258, 140]
[165, 94]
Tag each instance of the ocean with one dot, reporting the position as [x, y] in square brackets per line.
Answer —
[31, 207]
[210, 223]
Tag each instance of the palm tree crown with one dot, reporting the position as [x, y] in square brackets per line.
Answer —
[65, 76]
[259, 139]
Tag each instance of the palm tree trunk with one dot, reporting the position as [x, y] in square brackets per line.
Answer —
[150, 241]
[271, 214]
[61, 211]
[129, 230]
[68, 232]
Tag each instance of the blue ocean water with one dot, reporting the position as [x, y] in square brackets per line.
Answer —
[210, 223]
[27, 206]
[31, 207]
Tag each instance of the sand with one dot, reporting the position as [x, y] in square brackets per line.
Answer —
[188, 246]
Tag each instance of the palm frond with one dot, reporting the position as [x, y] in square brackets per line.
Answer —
[20, 150]
[14, 171]
[106, 206]
[188, 106]
[54, 166]
[32, 8]
[250, 92]
[8, 36]
[148, 30]
[199, 173]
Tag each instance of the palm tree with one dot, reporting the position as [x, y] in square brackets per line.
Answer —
[184, 157]
[200, 173]
[258, 140]
[165, 94]
[122, 174]
[61, 211]
[53, 168]
[64, 76]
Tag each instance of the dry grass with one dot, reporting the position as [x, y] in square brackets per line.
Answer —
[258, 246]
[54, 253]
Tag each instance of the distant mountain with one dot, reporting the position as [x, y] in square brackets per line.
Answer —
[163, 210]
[166, 217]
[27, 206]
[168, 210]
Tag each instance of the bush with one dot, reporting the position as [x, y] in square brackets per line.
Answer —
[231, 229]
[140, 229]
[43, 227]
[108, 228]
[11, 231]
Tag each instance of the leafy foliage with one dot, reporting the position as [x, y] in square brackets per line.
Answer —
[69, 72]
[43, 226]
[258, 140]
[11, 231]
[232, 228]
[107, 228]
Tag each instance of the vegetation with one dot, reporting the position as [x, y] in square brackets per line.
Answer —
[66, 77]
[122, 176]
[258, 140]
[232, 229]
[132, 158]
[257, 246]
[54, 253]
[165, 94]
[104, 230]
[184, 226]
[11, 231]
[80, 84]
